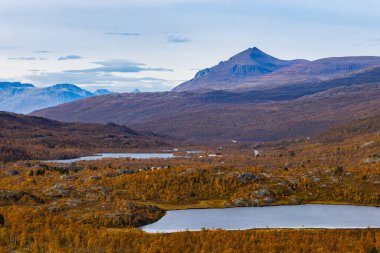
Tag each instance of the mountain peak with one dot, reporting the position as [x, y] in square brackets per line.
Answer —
[67, 86]
[15, 85]
[255, 52]
[250, 63]
[102, 92]
[136, 91]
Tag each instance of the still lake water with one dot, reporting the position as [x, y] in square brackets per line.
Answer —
[295, 216]
[116, 155]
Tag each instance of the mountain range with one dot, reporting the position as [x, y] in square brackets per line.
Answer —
[254, 69]
[25, 98]
[251, 97]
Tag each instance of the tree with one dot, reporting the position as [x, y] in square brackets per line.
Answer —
[2, 220]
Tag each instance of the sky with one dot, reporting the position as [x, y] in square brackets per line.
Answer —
[154, 45]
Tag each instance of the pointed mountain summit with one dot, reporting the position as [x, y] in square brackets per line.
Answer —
[102, 92]
[250, 63]
[136, 91]
[253, 69]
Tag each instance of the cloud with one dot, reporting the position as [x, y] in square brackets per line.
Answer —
[123, 34]
[35, 70]
[374, 41]
[69, 57]
[42, 52]
[100, 81]
[6, 48]
[177, 39]
[22, 58]
[121, 66]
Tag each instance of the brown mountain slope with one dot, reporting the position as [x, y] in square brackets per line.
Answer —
[254, 69]
[221, 116]
[26, 137]
[369, 126]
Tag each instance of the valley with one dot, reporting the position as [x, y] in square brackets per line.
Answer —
[113, 197]
[172, 126]
[118, 166]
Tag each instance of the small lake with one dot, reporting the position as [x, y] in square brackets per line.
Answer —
[240, 218]
[116, 155]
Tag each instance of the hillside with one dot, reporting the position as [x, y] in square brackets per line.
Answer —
[25, 98]
[254, 69]
[297, 110]
[26, 137]
[368, 126]
[110, 199]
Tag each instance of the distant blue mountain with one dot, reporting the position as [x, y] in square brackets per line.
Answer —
[25, 98]
[136, 91]
[102, 92]
[15, 85]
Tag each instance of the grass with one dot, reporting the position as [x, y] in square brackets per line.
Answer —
[201, 204]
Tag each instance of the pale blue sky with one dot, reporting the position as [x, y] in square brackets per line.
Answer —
[154, 45]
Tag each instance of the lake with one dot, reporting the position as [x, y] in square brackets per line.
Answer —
[116, 155]
[292, 216]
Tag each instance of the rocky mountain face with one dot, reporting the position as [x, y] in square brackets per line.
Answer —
[254, 69]
[25, 98]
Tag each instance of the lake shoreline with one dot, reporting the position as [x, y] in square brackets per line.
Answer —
[285, 216]
[193, 206]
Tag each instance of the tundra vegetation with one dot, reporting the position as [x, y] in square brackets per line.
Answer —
[97, 206]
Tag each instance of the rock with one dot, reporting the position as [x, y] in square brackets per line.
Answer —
[293, 181]
[68, 178]
[119, 173]
[246, 177]
[126, 171]
[367, 144]
[73, 202]
[112, 174]
[228, 204]
[315, 179]
[261, 193]
[8, 197]
[289, 190]
[192, 171]
[268, 200]
[54, 209]
[266, 175]
[240, 202]
[95, 178]
[59, 190]
[105, 191]
[294, 201]
[255, 202]
[372, 160]
[92, 197]
[13, 172]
